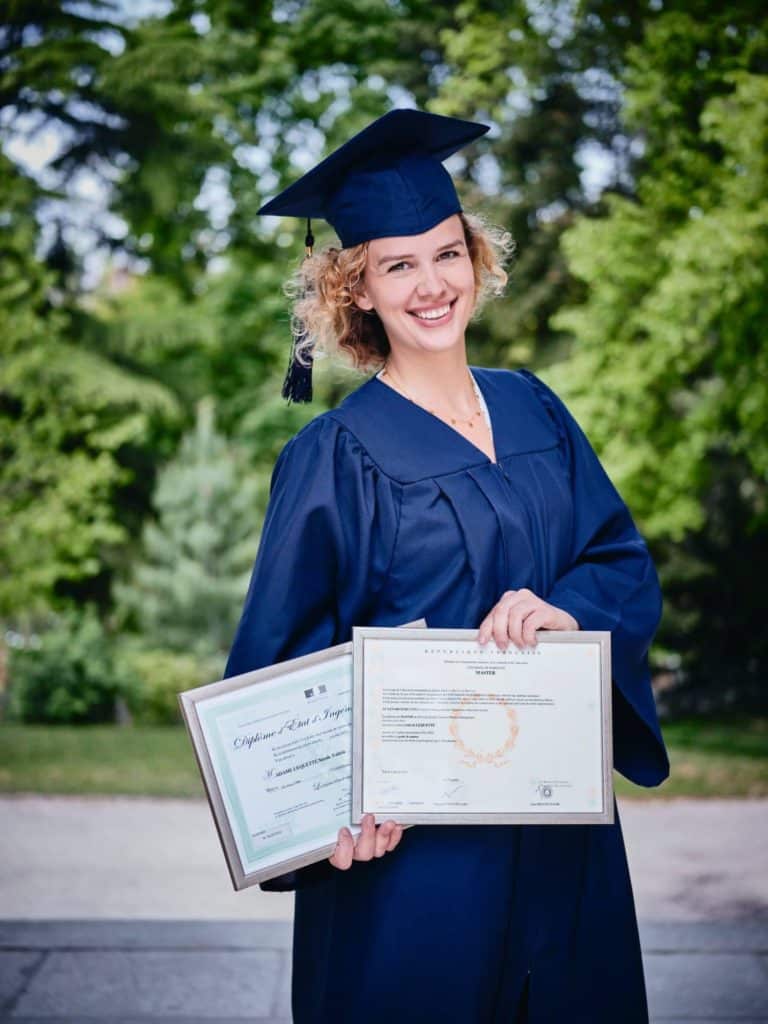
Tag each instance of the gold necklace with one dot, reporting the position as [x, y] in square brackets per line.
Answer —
[454, 420]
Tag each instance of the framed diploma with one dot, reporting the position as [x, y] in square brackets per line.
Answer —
[446, 731]
[274, 748]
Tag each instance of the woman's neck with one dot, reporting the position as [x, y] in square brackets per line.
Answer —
[434, 380]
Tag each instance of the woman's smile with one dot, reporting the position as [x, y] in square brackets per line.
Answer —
[434, 316]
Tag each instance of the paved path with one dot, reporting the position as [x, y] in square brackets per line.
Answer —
[99, 923]
[67, 857]
[201, 972]
[72, 857]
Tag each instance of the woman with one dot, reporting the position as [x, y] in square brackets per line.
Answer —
[469, 497]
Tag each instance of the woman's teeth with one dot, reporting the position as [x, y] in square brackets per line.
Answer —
[433, 314]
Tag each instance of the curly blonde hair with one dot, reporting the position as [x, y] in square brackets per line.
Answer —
[324, 286]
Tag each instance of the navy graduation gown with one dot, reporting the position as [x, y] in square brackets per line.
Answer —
[380, 513]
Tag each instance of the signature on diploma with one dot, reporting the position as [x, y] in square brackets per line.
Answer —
[448, 793]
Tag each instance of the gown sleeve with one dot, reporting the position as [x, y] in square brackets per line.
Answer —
[309, 581]
[610, 583]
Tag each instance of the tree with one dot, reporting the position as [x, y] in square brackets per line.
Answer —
[65, 415]
[669, 367]
[188, 585]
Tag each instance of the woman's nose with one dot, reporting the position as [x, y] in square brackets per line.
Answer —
[431, 281]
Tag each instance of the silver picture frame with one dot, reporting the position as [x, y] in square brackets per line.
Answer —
[369, 719]
[233, 796]
[227, 821]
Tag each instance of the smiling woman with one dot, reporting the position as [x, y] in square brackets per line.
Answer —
[328, 286]
[467, 496]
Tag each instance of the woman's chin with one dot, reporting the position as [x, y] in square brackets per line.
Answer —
[435, 339]
[436, 343]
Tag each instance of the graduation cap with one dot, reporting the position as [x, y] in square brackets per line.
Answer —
[388, 180]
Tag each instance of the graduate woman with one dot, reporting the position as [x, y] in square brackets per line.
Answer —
[470, 497]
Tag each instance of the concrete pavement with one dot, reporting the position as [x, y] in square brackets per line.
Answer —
[233, 971]
[99, 923]
[72, 857]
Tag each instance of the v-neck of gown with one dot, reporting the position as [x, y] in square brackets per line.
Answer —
[484, 408]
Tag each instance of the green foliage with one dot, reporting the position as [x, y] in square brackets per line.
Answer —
[669, 366]
[68, 675]
[160, 675]
[189, 119]
[241, 105]
[66, 415]
[675, 319]
[544, 74]
[188, 585]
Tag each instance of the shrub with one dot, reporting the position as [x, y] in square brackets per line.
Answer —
[67, 674]
[159, 677]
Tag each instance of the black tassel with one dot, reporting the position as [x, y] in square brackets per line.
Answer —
[297, 386]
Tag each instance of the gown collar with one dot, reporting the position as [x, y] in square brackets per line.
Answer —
[409, 443]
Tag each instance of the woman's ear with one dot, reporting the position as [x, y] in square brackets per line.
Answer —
[362, 301]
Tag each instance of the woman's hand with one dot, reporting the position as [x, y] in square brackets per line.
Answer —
[372, 842]
[517, 615]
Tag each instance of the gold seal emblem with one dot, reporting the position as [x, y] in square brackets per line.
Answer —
[472, 758]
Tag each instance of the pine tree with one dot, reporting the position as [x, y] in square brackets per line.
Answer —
[188, 586]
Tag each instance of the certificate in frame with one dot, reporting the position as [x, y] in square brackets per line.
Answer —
[446, 731]
[274, 749]
[275, 811]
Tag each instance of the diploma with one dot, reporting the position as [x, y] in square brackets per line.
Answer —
[448, 731]
[274, 748]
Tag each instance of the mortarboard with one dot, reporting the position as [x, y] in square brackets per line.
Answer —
[387, 180]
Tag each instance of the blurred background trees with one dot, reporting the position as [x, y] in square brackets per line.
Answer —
[628, 159]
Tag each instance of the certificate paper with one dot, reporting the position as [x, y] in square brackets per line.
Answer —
[274, 747]
[448, 731]
[278, 762]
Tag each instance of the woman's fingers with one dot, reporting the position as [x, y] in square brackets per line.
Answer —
[506, 617]
[366, 841]
[487, 626]
[383, 835]
[396, 836]
[344, 852]
[371, 842]
[537, 619]
[518, 612]
[500, 617]
[517, 615]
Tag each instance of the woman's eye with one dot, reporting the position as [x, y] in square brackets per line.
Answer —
[404, 264]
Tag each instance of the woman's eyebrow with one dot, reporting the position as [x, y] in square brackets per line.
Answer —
[409, 255]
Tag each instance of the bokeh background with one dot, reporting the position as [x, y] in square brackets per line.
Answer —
[144, 334]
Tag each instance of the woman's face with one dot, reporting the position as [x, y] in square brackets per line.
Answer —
[421, 286]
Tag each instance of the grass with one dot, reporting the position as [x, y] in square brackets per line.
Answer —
[103, 759]
[725, 757]
[722, 758]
